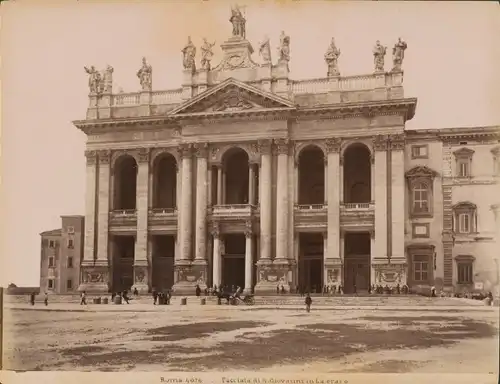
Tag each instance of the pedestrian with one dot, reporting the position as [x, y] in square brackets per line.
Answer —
[198, 290]
[46, 299]
[136, 292]
[433, 291]
[125, 297]
[308, 302]
[83, 299]
[155, 296]
[32, 298]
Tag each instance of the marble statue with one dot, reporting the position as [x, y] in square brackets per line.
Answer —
[284, 49]
[145, 75]
[189, 52]
[331, 57]
[265, 50]
[238, 22]
[206, 54]
[398, 54]
[379, 52]
[106, 83]
[94, 79]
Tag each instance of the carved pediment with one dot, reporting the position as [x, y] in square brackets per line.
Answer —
[421, 171]
[232, 95]
[463, 152]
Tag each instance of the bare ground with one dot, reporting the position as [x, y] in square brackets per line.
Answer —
[228, 338]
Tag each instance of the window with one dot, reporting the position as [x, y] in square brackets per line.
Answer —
[420, 198]
[464, 218]
[420, 184]
[71, 229]
[52, 243]
[496, 161]
[464, 269]
[70, 262]
[51, 262]
[419, 152]
[70, 243]
[51, 284]
[463, 157]
[420, 268]
[69, 284]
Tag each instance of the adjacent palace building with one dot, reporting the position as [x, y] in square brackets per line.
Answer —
[246, 177]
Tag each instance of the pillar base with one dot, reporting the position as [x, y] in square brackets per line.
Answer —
[273, 274]
[333, 272]
[390, 274]
[95, 278]
[141, 275]
[189, 274]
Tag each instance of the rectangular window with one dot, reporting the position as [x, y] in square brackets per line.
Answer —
[69, 284]
[464, 223]
[420, 268]
[71, 229]
[70, 243]
[420, 200]
[464, 273]
[70, 262]
[52, 243]
[51, 284]
[51, 262]
[463, 168]
[419, 152]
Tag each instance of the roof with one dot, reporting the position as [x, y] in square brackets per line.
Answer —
[52, 232]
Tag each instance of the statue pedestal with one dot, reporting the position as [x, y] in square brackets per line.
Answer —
[95, 277]
[189, 274]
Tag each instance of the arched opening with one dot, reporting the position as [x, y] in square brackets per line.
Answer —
[236, 169]
[165, 181]
[357, 174]
[125, 183]
[311, 176]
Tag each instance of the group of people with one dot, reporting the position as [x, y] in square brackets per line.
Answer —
[162, 297]
[45, 298]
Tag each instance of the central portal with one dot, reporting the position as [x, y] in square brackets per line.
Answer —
[233, 261]
[311, 262]
[357, 263]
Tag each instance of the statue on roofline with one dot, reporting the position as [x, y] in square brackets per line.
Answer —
[398, 54]
[189, 53]
[284, 49]
[145, 75]
[265, 50]
[238, 22]
[379, 52]
[206, 54]
[331, 57]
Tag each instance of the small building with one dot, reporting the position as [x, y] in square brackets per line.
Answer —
[61, 255]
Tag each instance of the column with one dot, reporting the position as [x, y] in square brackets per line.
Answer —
[334, 188]
[223, 188]
[380, 147]
[141, 239]
[325, 186]
[398, 194]
[186, 209]
[219, 184]
[89, 252]
[265, 200]
[217, 262]
[342, 246]
[178, 197]
[341, 177]
[373, 275]
[103, 208]
[201, 202]
[251, 184]
[210, 185]
[372, 178]
[248, 258]
[282, 147]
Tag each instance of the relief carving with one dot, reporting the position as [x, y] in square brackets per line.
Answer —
[201, 150]
[333, 145]
[143, 155]
[264, 146]
[380, 143]
[282, 146]
[104, 156]
[248, 229]
[397, 142]
[91, 157]
[185, 150]
[216, 230]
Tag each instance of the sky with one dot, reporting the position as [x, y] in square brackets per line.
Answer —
[451, 66]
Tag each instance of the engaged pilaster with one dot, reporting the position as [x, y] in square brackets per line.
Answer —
[103, 208]
[397, 143]
[186, 210]
[217, 262]
[380, 145]
[201, 203]
[265, 201]
[282, 148]
[248, 257]
[333, 199]
[141, 272]
[89, 253]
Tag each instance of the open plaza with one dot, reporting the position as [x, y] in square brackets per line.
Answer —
[340, 334]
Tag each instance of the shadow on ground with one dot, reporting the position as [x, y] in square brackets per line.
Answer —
[303, 344]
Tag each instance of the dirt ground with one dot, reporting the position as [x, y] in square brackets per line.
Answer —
[228, 338]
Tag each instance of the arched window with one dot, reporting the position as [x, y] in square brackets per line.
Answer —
[420, 182]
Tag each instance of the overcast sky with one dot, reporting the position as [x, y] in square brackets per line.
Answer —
[451, 65]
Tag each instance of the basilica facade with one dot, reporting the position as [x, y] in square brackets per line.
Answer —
[246, 177]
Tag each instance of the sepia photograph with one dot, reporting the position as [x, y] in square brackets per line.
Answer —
[278, 187]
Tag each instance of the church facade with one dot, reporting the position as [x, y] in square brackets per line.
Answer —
[246, 177]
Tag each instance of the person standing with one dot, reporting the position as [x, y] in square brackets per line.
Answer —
[32, 298]
[308, 302]
[83, 299]
[46, 299]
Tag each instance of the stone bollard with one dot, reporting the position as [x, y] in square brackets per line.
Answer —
[104, 300]
[184, 301]
[118, 299]
[203, 301]
[96, 300]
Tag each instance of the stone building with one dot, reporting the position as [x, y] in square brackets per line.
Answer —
[61, 256]
[244, 176]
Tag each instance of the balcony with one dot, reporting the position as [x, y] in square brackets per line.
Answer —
[163, 217]
[357, 214]
[310, 215]
[123, 218]
[234, 211]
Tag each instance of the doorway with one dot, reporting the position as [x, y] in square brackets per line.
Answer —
[311, 248]
[233, 261]
[357, 261]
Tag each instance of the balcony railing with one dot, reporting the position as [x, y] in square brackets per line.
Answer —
[162, 211]
[233, 210]
[123, 217]
[163, 216]
[310, 207]
[357, 206]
